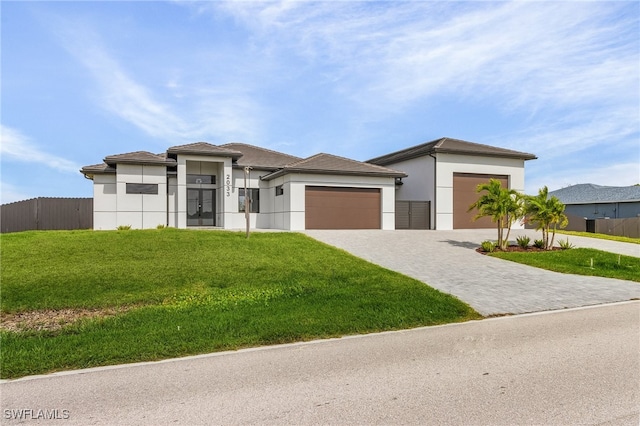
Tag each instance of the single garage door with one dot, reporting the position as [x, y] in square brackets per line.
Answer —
[464, 194]
[342, 208]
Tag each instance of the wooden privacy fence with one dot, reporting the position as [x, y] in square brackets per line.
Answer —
[626, 227]
[622, 227]
[47, 214]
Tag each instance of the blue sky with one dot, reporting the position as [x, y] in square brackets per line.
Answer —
[84, 80]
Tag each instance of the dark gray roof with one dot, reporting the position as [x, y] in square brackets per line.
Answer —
[204, 148]
[139, 157]
[449, 146]
[332, 164]
[249, 155]
[260, 158]
[588, 193]
[95, 169]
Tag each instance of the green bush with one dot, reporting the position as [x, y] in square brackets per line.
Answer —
[123, 227]
[488, 246]
[565, 244]
[161, 226]
[523, 241]
[538, 244]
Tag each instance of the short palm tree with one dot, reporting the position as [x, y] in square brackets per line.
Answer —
[547, 214]
[503, 205]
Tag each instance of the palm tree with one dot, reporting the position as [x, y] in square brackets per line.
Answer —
[503, 205]
[547, 213]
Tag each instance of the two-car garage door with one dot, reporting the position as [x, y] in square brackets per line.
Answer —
[342, 208]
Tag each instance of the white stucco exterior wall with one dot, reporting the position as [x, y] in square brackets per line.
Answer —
[431, 179]
[172, 202]
[448, 164]
[297, 182]
[105, 202]
[419, 185]
[141, 211]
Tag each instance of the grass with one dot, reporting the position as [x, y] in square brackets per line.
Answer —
[191, 292]
[578, 261]
[601, 236]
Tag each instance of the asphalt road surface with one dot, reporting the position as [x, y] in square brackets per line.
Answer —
[577, 366]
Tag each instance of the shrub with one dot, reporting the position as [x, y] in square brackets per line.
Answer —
[539, 244]
[488, 246]
[123, 227]
[161, 226]
[565, 244]
[523, 241]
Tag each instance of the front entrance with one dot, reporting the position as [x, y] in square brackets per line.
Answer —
[201, 207]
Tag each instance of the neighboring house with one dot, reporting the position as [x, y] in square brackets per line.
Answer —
[591, 201]
[442, 178]
[203, 185]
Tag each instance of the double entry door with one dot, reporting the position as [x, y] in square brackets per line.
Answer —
[201, 207]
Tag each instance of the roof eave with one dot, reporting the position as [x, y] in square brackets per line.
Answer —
[255, 167]
[567, 203]
[523, 156]
[233, 155]
[282, 172]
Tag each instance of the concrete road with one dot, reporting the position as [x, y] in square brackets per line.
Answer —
[577, 366]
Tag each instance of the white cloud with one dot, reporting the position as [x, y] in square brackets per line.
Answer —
[532, 54]
[586, 132]
[620, 174]
[217, 110]
[571, 67]
[14, 146]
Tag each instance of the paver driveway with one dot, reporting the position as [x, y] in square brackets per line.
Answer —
[447, 260]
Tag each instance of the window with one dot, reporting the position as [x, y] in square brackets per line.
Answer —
[254, 200]
[201, 179]
[142, 188]
[279, 190]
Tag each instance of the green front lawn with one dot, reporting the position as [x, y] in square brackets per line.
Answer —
[601, 236]
[189, 292]
[579, 261]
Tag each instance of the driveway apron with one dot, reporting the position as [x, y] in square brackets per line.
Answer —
[448, 261]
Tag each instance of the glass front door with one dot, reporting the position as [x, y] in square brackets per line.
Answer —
[201, 207]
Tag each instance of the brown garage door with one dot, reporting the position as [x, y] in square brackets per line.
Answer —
[342, 208]
[464, 194]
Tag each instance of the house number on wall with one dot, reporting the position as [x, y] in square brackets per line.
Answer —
[228, 183]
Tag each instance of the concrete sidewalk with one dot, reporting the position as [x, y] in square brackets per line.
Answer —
[447, 260]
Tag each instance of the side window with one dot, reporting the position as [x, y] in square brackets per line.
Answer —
[279, 190]
[142, 188]
[254, 200]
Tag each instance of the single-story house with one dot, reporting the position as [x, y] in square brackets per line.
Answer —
[203, 185]
[442, 178]
[590, 201]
